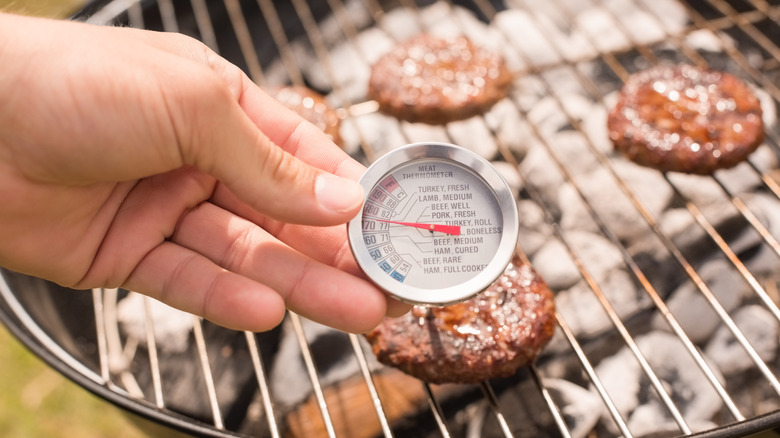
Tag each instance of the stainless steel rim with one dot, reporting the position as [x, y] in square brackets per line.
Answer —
[490, 176]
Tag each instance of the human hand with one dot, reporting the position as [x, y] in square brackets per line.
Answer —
[143, 160]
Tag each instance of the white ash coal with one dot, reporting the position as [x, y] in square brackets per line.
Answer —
[692, 309]
[581, 410]
[289, 379]
[535, 230]
[761, 330]
[171, 327]
[630, 390]
[615, 209]
[129, 318]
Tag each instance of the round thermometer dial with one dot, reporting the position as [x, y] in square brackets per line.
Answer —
[439, 224]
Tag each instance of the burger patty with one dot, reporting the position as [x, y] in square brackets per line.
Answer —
[311, 106]
[685, 119]
[433, 80]
[488, 336]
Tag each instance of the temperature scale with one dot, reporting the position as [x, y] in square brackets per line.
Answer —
[439, 224]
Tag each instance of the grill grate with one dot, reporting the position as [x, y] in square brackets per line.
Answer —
[297, 42]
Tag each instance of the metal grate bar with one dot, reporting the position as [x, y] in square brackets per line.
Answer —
[205, 27]
[620, 422]
[436, 410]
[30, 325]
[135, 15]
[724, 315]
[768, 238]
[747, 25]
[556, 413]
[323, 55]
[248, 49]
[765, 298]
[208, 376]
[154, 362]
[754, 284]
[118, 357]
[311, 368]
[615, 318]
[318, 43]
[316, 40]
[170, 25]
[100, 328]
[111, 11]
[168, 15]
[294, 72]
[377, 402]
[262, 383]
[321, 51]
[749, 216]
[611, 313]
[654, 379]
[486, 388]
[280, 39]
[490, 396]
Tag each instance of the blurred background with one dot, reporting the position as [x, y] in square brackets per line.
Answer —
[42, 8]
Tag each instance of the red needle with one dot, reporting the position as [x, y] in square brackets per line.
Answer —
[449, 229]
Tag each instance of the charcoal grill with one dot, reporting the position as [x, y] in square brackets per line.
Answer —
[216, 382]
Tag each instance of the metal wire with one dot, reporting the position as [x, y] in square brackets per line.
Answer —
[208, 376]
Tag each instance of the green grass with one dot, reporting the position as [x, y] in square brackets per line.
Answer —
[36, 401]
[42, 8]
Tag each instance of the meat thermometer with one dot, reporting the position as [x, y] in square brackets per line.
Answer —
[439, 224]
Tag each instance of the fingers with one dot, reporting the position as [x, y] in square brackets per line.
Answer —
[147, 216]
[331, 247]
[195, 284]
[312, 289]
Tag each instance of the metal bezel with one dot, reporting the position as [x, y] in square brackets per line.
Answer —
[487, 173]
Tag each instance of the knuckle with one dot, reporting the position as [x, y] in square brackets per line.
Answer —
[281, 166]
[237, 252]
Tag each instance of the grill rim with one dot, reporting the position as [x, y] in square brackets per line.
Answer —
[770, 419]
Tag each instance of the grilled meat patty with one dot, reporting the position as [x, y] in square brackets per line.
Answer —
[433, 80]
[685, 119]
[488, 336]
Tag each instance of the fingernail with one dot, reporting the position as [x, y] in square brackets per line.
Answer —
[338, 194]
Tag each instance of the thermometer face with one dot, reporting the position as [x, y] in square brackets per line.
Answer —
[438, 225]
